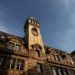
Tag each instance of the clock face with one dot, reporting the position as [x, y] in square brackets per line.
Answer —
[34, 31]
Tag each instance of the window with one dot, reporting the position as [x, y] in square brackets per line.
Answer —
[2, 62]
[64, 71]
[39, 68]
[68, 60]
[37, 53]
[17, 47]
[10, 63]
[10, 46]
[60, 58]
[72, 72]
[56, 58]
[52, 57]
[20, 64]
[72, 62]
[54, 71]
[59, 71]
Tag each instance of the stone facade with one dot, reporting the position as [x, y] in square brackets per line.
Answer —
[29, 56]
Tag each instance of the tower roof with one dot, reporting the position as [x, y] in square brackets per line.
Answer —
[31, 17]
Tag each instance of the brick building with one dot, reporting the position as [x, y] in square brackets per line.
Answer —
[29, 56]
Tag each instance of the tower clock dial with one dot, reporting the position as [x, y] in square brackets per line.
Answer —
[34, 31]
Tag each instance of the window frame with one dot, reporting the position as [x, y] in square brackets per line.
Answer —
[17, 47]
[39, 68]
[37, 52]
[20, 64]
[11, 62]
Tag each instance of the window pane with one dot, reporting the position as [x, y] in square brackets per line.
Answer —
[72, 62]
[20, 64]
[54, 71]
[2, 62]
[56, 58]
[17, 47]
[65, 72]
[60, 58]
[11, 63]
[10, 46]
[39, 68]
[72, 72]
[37, 53]
[59, 71]
[52, 57]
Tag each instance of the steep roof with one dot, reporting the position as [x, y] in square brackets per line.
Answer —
[55, 49]
[10, 35]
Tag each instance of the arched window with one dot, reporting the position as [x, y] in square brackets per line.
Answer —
[37, 53]
[37, 49]
[56, 58]
[52, 57]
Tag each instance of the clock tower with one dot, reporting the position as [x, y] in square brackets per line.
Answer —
[32, 35]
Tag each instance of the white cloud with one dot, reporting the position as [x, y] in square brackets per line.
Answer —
[67, 3]
[3, 17]
[68, 38]
[68, 35]
[7, 21]
[3, 28]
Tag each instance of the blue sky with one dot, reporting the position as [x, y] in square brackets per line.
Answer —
[56, 17]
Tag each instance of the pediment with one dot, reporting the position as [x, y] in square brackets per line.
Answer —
[15, 40]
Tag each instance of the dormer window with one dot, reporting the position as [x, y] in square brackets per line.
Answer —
[56, 58]
[47, 51]
[17, 47]
[10, 46]
[72, 62]
[13, 46]
[63, 55]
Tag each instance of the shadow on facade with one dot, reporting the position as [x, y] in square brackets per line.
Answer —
[5, 59]
[4, 69]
